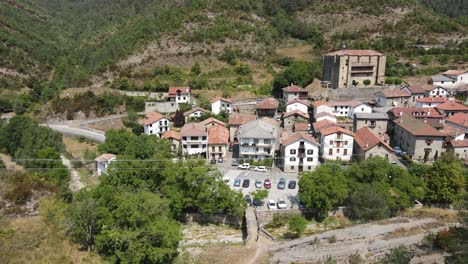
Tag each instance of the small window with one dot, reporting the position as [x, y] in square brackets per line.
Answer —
[345, 152]
[292, 151]
[330, 152]
[337, 151]
[310, 159]
[292, 159]
[310, 151]
[292, 167]
[331, 142]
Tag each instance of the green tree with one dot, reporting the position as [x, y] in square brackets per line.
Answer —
[196, 69]
[179, 119]
[368, 203]
[297, 225]
[243, 69]
[426, 59]
[299, 72]
[398, 255]
[367, 82]
[389, 81]
[259, 195]
[116, 141]
[323, 188]
[84, 221]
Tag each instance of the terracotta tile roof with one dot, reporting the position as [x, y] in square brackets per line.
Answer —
[416, 89]
[459, 143]
[240, 119]
[298, 136]
[174, 90]
[212, 120]
[322, 114]
[334, 129]
[452, 106]
[195, 110]
[417, 112]
[352, 103]
[269, 120]
[296, 112]
[436, 100]
[367, 140]
[293, 89]
[452, 131]
[218, 135]
[193, 129]
[460, 119]
[319, 103]
[105, 157]
[301, 127]
[297, 100]
[220, 98]
[355, 53]
[417, 127]
[454, 72]
[322, 124]
[267, 103]
[462, 88]
[435, 123]
[432, 87]
[171, 134]
[152, 117]
[395, 93]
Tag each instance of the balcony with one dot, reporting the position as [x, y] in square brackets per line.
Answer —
[194, 142]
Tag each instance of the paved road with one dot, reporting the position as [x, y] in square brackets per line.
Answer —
[76, 131]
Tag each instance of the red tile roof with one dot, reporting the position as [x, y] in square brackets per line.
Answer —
[436, 100]
[395, 93]
[218, 135]
[417, 127]
[335, 129]
[355, 53]
[296, 112]
[175, 90]
[460, 119]
[324, 114]
[319, 103]
[297, 100]
[298, 136]
[416, 89]
[212, 120]
[454, 72]
[105, 157]
[367, 140]
[240, 119]
[220, 98]
[193, 129]
[459, 143]
[452, 131]
[322, 124]
[301, 127]
[195, 110]
[452, 106]
[267, 103]
[293, 89]
[171, 134]
[152, 117]
[417, 112]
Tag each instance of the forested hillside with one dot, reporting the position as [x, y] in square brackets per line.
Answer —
[52, 45]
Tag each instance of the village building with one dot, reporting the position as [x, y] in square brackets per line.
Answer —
[294, 92]
[174, 138]
[375, 122]
[237, 120]
[416, 92]
[434, 101]
[459, 148]
[337, 143]
[291, 118]
[155, 124]
[267, 108]
[299, 152]
[451, 108]
[180, 95]
[321, 107]
[317, 126]
[436, 91]
[219, 104]
[450, 79]
[211, 122]
[325, 116]
[301, 127]
[418, 139]
[392, 98]
[348, 108]
[194, 139]
[348, 68]
[103, 161]
[458, 120]
[195, 114]
[368, 145]
[297, 104]
[218, 141]
[257, 140]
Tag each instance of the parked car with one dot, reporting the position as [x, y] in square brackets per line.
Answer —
[272, 205]
[235, 162]
[248, 199]
[213, 161]
[292, 184]
[220, 160]
[246, 183]
[257, 202]
[267, 184]
[281, 184]
[282, 204]
[245, 166]
[237, 182]
[261, 168]
[258, 183]
[398, 151]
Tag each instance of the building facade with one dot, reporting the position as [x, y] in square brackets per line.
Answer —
[218, 141]
[179, 95]
[337, 143]
[375, 122]
[299, 152]
[219, 104]
[297, 104]
[294, 92]
[155, 124]
[257, 140]
[368, 145]
[194, 139]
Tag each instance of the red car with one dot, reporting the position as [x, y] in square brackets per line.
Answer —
[267, 184]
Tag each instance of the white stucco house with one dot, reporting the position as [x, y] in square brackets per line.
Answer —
[179, 95]
[325, 116]
[360, 108]
[433, 101]
[299, 152]
[436, 91]
[195, 113]
[155, 124]
[257, 139]
[103, 161]
[297, 104]
[219, 104]
[194, 139]
[322, 107]
[450, 79]
[337, 143]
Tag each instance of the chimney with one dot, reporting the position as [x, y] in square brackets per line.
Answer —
[425, 120]
[367, 145]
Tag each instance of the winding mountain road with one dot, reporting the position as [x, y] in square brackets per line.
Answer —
[78, 131]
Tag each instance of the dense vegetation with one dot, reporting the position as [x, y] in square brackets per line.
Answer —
[375, 189]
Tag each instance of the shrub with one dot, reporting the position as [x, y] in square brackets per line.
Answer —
[332, 239]
[297, 225]
[399, 255]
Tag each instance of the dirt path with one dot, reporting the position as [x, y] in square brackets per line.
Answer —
[75, 182]
[9, 164]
